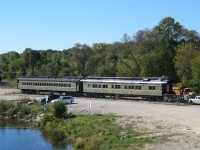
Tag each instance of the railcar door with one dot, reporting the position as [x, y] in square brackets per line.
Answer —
[79, 87]
[166, 88]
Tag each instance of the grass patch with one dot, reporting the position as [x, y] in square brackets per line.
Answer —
[93, 132]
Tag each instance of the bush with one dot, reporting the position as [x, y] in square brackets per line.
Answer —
[5, 108]
[59, 110]
[23, 111]
[79, 145]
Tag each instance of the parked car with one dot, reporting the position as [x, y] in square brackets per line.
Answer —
[49, 97]
[195, 100]
[66, 99]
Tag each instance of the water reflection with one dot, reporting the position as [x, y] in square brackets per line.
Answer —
[23, 137]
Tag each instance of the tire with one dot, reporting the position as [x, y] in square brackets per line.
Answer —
[191, 102]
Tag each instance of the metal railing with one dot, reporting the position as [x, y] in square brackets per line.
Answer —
[173, 98]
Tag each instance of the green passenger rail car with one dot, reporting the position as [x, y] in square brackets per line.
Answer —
[33, 85]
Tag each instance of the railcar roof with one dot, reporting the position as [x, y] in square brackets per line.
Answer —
[122, 81]
[72, 79]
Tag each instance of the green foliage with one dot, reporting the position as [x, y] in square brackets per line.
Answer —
[59, 110]
[23, 111]
[196, 73]
[20, 110]
[167, 49]
[5, 108]
[186, 54]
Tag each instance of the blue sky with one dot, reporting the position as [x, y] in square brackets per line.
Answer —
[59, 24]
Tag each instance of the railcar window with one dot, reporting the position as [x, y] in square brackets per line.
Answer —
[117, 87]
[138, 87]
[94, 85]
[152, 88]
[89, 85]
[105, 86]
[99, 85]
[113, 86]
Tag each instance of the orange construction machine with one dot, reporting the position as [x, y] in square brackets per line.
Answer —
[185, 91]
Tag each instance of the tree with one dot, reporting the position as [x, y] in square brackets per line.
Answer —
[126, 54]
[152, 64]
[195, 71]
[169, 31]
[186, 52]
[169, 35]
[81, 56]
[31, 58]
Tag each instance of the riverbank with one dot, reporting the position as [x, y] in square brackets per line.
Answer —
[94, 131]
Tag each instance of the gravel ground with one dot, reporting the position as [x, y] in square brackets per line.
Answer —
[177, 124]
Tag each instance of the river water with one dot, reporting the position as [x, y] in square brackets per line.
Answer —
[25, 138]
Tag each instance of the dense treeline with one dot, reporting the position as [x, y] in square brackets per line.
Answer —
[168, 49]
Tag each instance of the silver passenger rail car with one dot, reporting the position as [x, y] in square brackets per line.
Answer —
[33, 85]
[153, 87]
